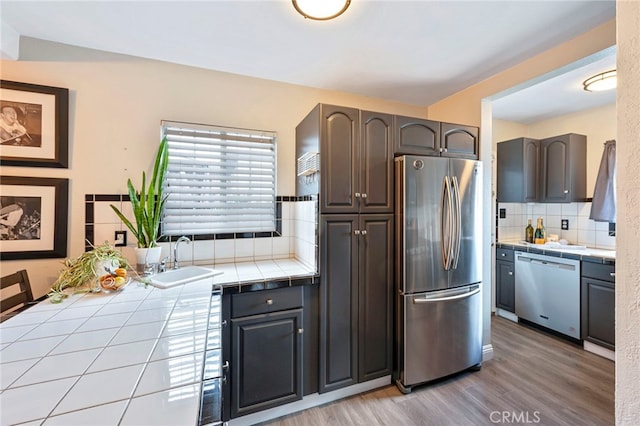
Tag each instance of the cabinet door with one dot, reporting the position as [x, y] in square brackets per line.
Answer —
[530, 170]
[556, 169]
[376, 163]
[459, 141]
[375, 296]
[338, 301]
[339, 159]
[598, 312]
[416, 136]
[266, 361]
[505, 286]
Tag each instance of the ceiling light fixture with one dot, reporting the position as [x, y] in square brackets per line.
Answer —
[321, 10]
[599, 82]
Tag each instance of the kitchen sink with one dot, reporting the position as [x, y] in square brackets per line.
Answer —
[184, 275]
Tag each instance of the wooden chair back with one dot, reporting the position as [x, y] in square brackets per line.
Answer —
[23, 297]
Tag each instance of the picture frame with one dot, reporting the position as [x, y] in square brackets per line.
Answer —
[34, 125]
[33, 217]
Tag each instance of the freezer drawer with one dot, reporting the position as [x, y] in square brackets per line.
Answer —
[442, 334]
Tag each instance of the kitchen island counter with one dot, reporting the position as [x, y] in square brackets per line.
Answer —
[134, 357]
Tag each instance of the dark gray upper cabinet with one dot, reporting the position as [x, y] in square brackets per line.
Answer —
[376, 163]
[339, 158]
[355, 299]
[356, 159]
[459, 141]
[416, 136]
[518, 170]
[551, 170]
[598, 304]
[564, 168]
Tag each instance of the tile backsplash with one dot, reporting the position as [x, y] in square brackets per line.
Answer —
[295, 237]
[582, 230]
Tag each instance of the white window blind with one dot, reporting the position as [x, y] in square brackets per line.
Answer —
[219, 180]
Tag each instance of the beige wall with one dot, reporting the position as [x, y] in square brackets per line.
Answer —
[597, 124]
[116, 104]
[628, 231]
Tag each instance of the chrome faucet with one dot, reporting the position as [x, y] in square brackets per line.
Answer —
[175, 250]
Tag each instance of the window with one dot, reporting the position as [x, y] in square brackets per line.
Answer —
[219, 180]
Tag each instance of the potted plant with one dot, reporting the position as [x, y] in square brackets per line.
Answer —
[81, 273]
[147, 208]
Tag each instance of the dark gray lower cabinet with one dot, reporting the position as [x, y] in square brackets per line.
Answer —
[262, 350]
[598, 312]
[505, 286]
[355, 299]
[505, 280]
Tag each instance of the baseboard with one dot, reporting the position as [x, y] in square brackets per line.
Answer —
[487, 352]
[599, 350]
[309, 401]
[506, 314]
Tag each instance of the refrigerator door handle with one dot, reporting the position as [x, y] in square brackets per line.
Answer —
[445, 223]
[458, 223]
[446, 299]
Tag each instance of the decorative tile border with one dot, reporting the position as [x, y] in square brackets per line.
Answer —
[91, 199]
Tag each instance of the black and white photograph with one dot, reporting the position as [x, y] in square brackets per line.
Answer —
[33, 217]
[34, 125]
[20, 124]
[20, 218]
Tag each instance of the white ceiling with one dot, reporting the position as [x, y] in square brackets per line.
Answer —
[415, 52]
[558, 94]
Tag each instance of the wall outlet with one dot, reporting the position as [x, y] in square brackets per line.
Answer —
[564, 224]
[120, 238]
[503, 213]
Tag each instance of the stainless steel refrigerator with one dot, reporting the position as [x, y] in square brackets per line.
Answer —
[438, 268]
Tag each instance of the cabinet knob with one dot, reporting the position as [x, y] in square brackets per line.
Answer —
[364, 232]
[357, 195]
[444, 149]
[356, 232]
[364, 195]
[300, 330]
[566, 191]
[269, 301]
[503, 254]
[441, 149]
[510, 272]
[612, 274]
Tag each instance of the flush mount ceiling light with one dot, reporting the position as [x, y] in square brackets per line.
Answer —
[599, 82]
[321, 10]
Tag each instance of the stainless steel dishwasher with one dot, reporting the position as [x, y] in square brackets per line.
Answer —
[548, 292]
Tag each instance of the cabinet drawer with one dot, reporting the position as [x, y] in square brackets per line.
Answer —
[599, 271]
[504, 255]
[261, 302]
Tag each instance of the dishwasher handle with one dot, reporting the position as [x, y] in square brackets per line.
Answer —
[446, 298]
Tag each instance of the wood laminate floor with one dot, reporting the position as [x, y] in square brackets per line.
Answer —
[533, 378]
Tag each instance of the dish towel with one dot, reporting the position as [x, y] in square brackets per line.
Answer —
[603, 207]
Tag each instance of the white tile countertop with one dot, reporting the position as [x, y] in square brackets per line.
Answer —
[133, 357]
[579, 251]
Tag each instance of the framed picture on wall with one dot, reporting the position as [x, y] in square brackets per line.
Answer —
[34, 125]
[33, 217]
